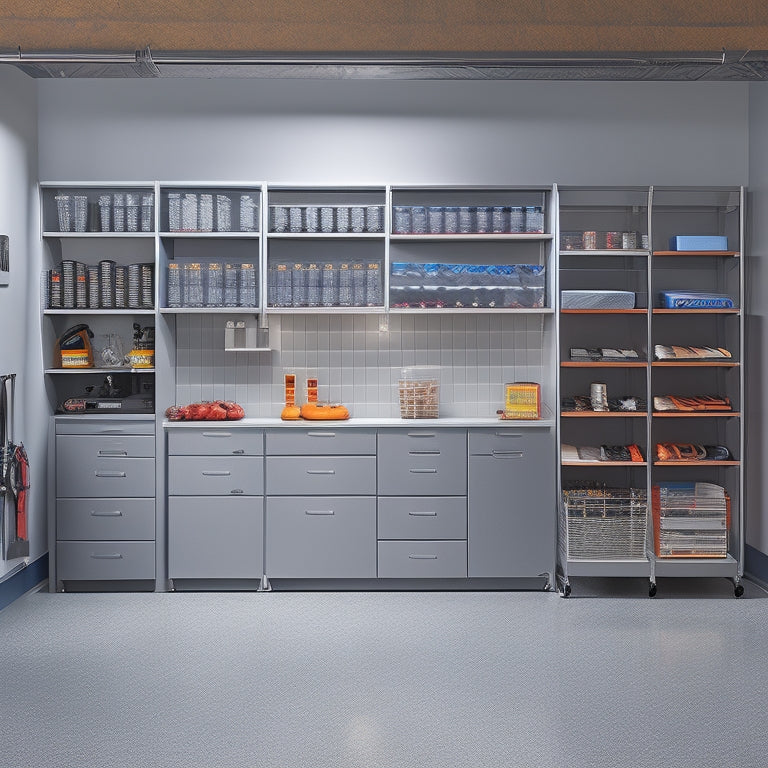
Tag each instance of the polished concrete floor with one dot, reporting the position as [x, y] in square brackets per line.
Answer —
[364, 680]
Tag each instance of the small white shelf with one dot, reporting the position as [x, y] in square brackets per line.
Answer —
[472, 237]
[109, 235]
[212, 235]
[326, 235]
[75, 311]
[325, 310]
[210, 310]
[70, 371]
[606, 252]
[472, 310]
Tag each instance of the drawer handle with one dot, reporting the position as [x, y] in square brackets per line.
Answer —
[237, 490]
[113, 453]
[507, 434]
[321, 434]
[216, 434]
[239, 452]
[216, 472]
[318, 512]
[507, 454]
[115, 513]
[111, 432]
[422, 557]
[423, 514]
[421, 434]
[423, 471]
[321, 471]
[104, 473]
[423, 453]
[114, 556]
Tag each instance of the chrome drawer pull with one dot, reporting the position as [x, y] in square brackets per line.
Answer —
[116, 513]
[507, 434]
[423, 471]
[216, 472]
[321, 434]
[423, 453]
[423, 514]
[318, 512]
[507, 454]
[321, 471]
[238, 452]
[113, 453]
[237, 490]
[104, 473]
[111, 432]
[421, 434]
[422, 557]
[216, 434]
[115, 556]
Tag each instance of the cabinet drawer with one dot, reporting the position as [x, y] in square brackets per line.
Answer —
[320, 441]
[88, 425]
[83, 477]
[422, 462]
[422, 517]
[105, 519]
[215, 475]
[507, 442]
[105, 560]
[422, 559]
[84, 448]
[321, 475]
[215, 537]
[215, 442]
[332, 537]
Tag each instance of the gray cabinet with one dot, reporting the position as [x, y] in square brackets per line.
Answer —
[321, 503]
[215, 503]
[104, 490]
[511, 503]
[423, 559]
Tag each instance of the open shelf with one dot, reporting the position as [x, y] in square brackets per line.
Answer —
[660, 311]
[603, 414]
[693, 364]
[598, 364]
[696, 253]
[604, 311]
[702, 463]
[604, 463]
[696, 415]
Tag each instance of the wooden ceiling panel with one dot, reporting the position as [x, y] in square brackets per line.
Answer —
[396, 26]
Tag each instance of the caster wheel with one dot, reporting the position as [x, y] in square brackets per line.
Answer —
[652, 590]
[738, 590]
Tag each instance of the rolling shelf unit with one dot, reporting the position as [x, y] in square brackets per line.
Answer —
[701, 211]
[593, 256]
[665, 212]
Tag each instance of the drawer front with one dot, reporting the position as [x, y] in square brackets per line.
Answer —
[215, 476]
[487, 442]
[85, 448]
[215, 442]
[105, 519]
[87, 425]
[215, 537]
[332, 537]
[81, 477]
[105, 560]
[422, 517]
[422, 462]
[422, 559]
[321, 475]
[321, 441]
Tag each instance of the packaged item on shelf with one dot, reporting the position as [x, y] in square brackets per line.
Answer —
[326, 219]
[516, 219]
[357, 218]
[298, 285]
[522, 400]
[105, 212]
[205, 213]
[247, 292]
[174, 212]
[374, 218]
[451, 224]
[690, 520]
[698, 243]
[358, 284]
[147, 211]
[134, 286]
[121, 286]
[342, 218]
[597, 354]
[295, 219]
[80, 213]
[534, 218]
[147, 285]
[313, 286]
[329, 290]
[64, 211]
[132, 212]
[695, 300]
[419, 220]
[54, 289]
[81, 286]
[401, 220]
[374, 294]
[436, 219]
[613, 241]
[675, 352]
[499, 219]
[598, 396]
[278, 218]
[118, 212]
[223, 213]
[311, 218]
[482, 219]
[189, 212]
[214, 285]
[597, 299]
[73, 349]
[345, 285]
[68, 284]
[192, 286]
[231, 285]
[691, 403]
[690, 452]
[249, 214]
[174, 285]
[107, 283]
[466, 220]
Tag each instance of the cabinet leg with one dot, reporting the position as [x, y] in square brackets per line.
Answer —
[264, 586]
[738, 587]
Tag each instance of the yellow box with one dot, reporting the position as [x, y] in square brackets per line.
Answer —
[522, 400]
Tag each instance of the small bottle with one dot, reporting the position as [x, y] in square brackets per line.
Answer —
[345, 286]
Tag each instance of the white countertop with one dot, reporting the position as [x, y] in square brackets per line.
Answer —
[463, 421]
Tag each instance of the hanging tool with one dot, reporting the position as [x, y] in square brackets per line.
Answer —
[14, 479]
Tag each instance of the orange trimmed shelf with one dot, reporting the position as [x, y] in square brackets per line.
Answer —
[660, 311]
[696, 414]
[604, 463]
[602, 414]
[703, 463]
[696, 253]
[693, 364]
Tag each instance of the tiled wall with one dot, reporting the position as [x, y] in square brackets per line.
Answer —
[358, 360]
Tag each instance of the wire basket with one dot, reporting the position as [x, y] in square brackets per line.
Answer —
[419, 392]
[605, 524]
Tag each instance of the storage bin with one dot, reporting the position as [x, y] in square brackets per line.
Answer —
[419, 392]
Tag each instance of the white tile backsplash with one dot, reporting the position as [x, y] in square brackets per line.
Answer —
[358, 360]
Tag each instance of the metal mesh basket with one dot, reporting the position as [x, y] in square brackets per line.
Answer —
[605, 524]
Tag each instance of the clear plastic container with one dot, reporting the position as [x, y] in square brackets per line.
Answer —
[118, 212]
[105, 212]
[247, 285]
[419, 392]
[132, 212]
[223, 213]
[328, 291]
[373, 218]
[174, 212]
[311, 218]
[64, 211]
[192, 285]
[295, 219]
[401, 220]
[451, 223]
[249, 214]
[499, 219]
[205, 213]
[80, 220]
[279, 218]
[215, 285]
[534, 218]
[313, 285]
[419, 220]
[483, 219]
[436, 219]
[516, 219]
[189, 212]
[342, 218]
[357, 218]
[345, 285]
[299, 285]
[147, 212]
[466, 225]
[326, 218]
[284, 295]
[358, 284]
[374, 291]
[231, 288]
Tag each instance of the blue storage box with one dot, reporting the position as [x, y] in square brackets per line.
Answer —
[698, 243]
[694, 300]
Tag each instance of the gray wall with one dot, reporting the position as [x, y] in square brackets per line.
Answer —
[19, 308]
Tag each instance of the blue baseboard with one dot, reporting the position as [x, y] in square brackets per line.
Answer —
[756, 564]
[21, 582]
